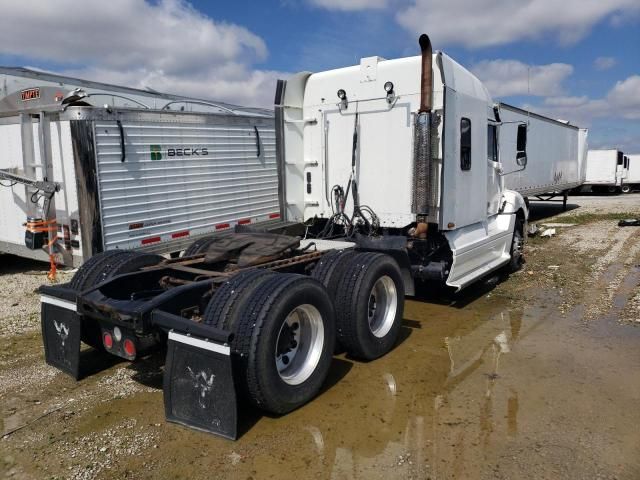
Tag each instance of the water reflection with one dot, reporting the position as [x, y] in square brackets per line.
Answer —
[429, 405]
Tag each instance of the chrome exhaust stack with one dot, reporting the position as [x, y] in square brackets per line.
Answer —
[422, 149]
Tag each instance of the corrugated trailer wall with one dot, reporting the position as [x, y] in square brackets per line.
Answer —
[183, 178]
[555, 152]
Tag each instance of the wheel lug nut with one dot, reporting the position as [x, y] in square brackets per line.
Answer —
[285, 360]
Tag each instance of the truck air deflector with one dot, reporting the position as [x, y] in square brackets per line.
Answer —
[199, 391]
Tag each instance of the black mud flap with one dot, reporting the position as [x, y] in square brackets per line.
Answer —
[61, 334]
[198, 386]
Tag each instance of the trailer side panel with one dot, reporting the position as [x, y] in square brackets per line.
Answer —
[555, 153]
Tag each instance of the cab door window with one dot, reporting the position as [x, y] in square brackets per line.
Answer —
[465, 144]
[492, 143]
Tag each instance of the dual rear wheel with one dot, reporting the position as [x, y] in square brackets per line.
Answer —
[285, 325]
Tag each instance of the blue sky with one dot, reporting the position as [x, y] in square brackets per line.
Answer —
[579, 59]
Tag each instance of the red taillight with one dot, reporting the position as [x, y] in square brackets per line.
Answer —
[129, 348]
[107, 339]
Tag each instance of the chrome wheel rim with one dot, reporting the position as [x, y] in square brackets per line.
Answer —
[383, 305]
[299, 344]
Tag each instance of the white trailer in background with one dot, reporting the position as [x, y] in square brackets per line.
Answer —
[632, 181]
[556, 153]
[133, 169]
[605, 171]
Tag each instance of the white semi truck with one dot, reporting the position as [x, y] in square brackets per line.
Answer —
[606, 171]
[88, 167]
[388, 175]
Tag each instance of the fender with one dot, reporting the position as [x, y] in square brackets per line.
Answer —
[512, 201]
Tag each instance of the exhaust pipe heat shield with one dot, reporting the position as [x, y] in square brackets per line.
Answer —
[422, 146]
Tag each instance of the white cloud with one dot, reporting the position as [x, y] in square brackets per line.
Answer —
[350, 5]
[166, 45]
[512, 77]
[624, 98]
[604, 63]
[622, 101]
[482, 23]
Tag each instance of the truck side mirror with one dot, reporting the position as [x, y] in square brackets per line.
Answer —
[521, 145]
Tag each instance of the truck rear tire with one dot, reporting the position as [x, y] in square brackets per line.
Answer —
[199, 246]
[129, 264]
[101, 267]
[79, 281]
[284, 341]
[369, 305]
[625, 189]
[232, 295]
[330, 269]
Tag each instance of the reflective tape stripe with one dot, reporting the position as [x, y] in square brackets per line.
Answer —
[196, 342]
[59, 302]
[147, 241]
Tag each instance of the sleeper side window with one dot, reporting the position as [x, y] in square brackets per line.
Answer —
[465, 144]
[492, 143]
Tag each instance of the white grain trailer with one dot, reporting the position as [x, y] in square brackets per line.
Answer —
[605, 171]
[632, 183]
[142, 171]
[556, 152]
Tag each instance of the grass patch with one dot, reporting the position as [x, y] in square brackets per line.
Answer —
[583, 218]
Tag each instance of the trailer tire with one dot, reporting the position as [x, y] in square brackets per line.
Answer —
[199, 246]
[231, 296]
[330, 269]
[369, 305]
[265, 334]
[625, 189]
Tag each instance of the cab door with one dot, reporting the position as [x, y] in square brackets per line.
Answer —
[494, 187]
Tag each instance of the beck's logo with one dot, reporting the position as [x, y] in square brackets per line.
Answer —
[157, 152]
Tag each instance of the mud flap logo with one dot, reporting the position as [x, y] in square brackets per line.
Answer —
[62, 330]
[203, 384]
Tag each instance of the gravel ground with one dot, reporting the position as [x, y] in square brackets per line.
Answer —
[19, 299]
